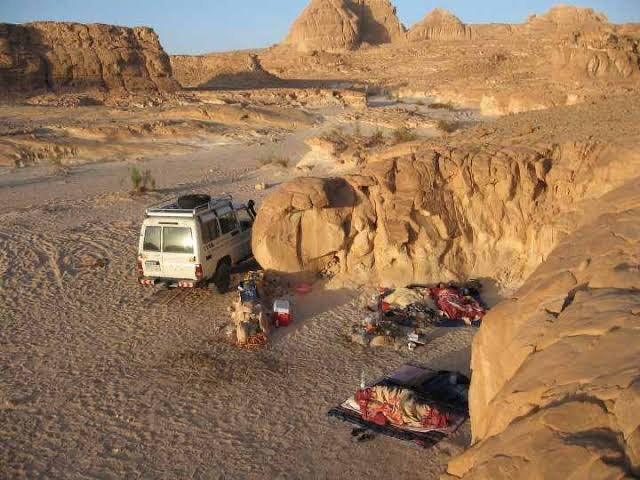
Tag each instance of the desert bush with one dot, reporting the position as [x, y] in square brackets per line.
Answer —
[274, 160]
[403, 135]
[441, 106]
[377, 138]
[448, 126]
[142, 181]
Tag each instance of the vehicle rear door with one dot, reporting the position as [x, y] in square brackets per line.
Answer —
[151, 249]
[178, 252]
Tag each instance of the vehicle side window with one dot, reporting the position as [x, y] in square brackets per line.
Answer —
[210, 231]
[228, 222]
[152, 237]
[245, 219]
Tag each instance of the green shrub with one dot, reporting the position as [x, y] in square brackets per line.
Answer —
[441, 106]
[142, 181]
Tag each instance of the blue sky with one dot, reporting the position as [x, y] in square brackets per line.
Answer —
[199, 26]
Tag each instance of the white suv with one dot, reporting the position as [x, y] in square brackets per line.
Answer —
[194, 241]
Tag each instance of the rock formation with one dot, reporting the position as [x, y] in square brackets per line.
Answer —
[221, 71]
[556, 379]
[428, 214]
[439, 24]
[342, 25]
[326, 25]
[72, 56]
[564, 18]
[597, 55]
[378, 21]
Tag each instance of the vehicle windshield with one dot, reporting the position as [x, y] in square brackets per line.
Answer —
[177, 240]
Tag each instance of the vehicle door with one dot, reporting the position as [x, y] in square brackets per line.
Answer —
[178, 252]
[151, 251]
[245, 220]
[230, 238]
[210, 236]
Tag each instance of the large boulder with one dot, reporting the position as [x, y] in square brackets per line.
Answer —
[73, 56]
[439, 24]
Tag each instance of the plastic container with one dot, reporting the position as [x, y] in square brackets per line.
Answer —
[282, 313]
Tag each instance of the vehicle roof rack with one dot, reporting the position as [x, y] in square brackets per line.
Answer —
[171, 209]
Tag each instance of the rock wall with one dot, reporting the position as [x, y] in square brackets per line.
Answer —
[429, 214]
[439, 24]
[221, 71]
[556, 379]
[62, 56]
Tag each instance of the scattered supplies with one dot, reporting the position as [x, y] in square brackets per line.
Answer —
[402, 318]
[255, 315]
[413, 403]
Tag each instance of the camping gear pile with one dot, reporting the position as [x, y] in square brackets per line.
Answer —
[255, 314]
[402, 318]
[413, 403]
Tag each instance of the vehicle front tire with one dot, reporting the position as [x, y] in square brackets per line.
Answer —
[221, 279]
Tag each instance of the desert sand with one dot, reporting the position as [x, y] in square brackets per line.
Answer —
[379, 155]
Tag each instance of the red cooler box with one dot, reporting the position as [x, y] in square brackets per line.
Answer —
[282, 313]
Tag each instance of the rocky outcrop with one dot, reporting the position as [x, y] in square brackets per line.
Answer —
[72, 56]
[424, 214]
[342, 25]
[439, 24]
[593, 55]
[378, 21]
[565, 18]
[556, 380]
[222, 71]
[325, 25]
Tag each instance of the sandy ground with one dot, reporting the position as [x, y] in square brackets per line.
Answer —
[99, 380]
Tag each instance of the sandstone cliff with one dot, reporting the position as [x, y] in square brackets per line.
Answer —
[439, 24]
[224, 71]
[72, 56]
[556, 380]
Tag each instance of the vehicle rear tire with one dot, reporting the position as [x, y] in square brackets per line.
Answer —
[222, 279]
